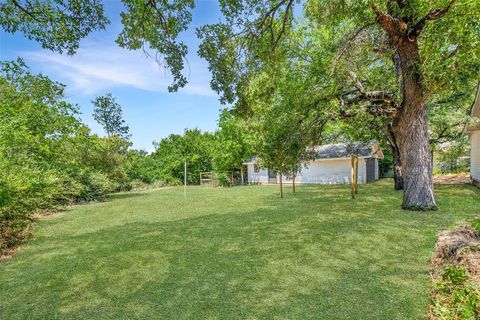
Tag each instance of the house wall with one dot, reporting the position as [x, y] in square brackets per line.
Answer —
[256, 177]
[475, 156]
[331, 171]
[323, 171]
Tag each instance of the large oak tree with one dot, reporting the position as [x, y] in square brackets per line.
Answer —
[433, 46]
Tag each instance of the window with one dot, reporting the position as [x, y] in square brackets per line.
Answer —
[256, 168]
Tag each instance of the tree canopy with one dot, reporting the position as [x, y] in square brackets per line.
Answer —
[398, 60]
[108, 113]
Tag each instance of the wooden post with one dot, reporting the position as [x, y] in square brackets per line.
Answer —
[293, 183]
[354, 163]
[281, 186]
[356, 174]
[353, 177]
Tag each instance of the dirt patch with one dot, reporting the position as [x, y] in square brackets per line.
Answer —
[460, 246]
[472, 260]
[8, 253]
[456, 275]
[461, 178]
[450, 243]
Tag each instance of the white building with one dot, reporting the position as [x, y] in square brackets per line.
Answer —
[331, 165]
[474, 132]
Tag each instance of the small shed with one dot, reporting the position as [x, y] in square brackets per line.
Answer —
[330, 164]
[474, 132]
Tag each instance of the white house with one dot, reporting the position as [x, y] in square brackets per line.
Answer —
[474, 132]
[331, 165]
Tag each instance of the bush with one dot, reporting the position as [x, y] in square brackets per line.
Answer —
[223, 179]
[455, 297]
[95, 186]
[456, 293]
[48, 158]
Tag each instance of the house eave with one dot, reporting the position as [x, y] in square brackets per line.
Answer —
[332, 159]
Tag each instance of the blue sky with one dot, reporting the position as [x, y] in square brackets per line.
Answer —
[137, 82]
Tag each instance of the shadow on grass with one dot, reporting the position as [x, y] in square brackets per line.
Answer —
[314, 254]
[126, 195]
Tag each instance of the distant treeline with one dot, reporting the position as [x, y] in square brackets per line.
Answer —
[49, 158]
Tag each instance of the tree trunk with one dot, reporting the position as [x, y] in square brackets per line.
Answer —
[397, 170]
[293, 183]
[241, 175]
[411, 131]
[281, 186]
[397, 161]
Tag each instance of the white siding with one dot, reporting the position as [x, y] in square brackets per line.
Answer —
[324, 171]
[257, 177]
[331, 171]
[475, 155]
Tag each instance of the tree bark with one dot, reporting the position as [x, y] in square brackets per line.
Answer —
[293, 183]
[397, 161]
[410, 128]
[397, 170]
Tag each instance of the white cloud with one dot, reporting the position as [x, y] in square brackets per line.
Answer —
[96, 68]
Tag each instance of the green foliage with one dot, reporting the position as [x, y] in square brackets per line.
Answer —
[194, 147]
[108, 113]
[57, 25]
[233, 143]
[315, 255]
[141, 167]
[222, 151]
[455, 296]
[452, 157]
[47, 156]
[455, 275]
[157, 24]
[475, 223]
[222, 179]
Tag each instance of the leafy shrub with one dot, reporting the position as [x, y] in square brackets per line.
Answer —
[455, 297]
[48, 158]
[455, 275]
[223, 179]
[95, 186]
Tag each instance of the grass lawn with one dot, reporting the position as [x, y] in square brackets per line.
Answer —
[233, 253]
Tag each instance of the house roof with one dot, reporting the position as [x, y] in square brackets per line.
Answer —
[363, 149]
[475, 111]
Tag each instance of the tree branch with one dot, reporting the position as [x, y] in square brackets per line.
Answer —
[357, 83]
[393, 26]
[346, 45]
[24, 10]
[284, 23]
[433, 14]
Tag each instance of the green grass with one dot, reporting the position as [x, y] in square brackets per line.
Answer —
[233, 253]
